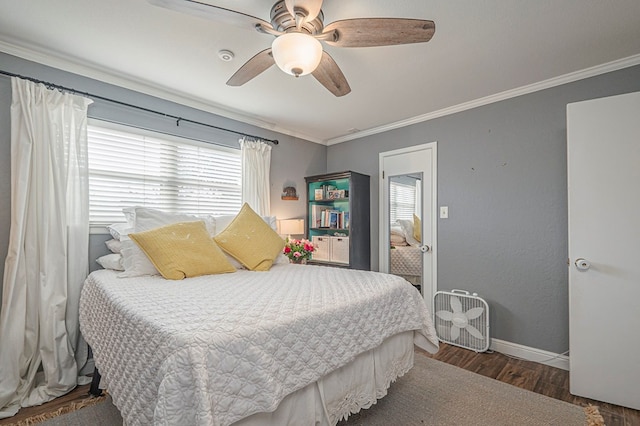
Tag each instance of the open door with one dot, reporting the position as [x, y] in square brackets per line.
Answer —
[604, 251]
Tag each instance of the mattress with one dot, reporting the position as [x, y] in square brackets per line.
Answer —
[214, 350]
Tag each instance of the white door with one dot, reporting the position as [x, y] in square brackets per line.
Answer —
[417, 162]
[604, 248]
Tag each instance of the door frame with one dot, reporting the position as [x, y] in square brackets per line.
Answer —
[383, 227]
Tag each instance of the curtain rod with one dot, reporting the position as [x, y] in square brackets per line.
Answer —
[175, 117]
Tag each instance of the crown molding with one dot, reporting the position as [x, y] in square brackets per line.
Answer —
[508, 94]
[110, 76]
[73, 65]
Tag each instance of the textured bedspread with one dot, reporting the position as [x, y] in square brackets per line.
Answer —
[406, 260]
[212, 350]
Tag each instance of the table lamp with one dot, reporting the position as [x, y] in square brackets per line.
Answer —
[289, 227]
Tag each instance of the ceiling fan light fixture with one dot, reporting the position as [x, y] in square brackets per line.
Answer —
[296, 53]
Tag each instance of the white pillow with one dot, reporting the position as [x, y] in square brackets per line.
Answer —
[111, 261]
[117, 230]
[115, 246]
[146, 219]
[396, 230]
[135, 262]
[407, 227]
[271, 221]
[130, 215]
[397, 239]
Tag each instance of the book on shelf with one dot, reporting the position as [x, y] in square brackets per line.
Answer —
[325, 221]
[323, 192]
[316, 215]
[329, 218]
[333, 218]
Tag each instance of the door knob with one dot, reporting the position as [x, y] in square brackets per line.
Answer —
[424, 248]
[582, 264]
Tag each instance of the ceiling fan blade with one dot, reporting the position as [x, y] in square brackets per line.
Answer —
[369, 32]
[252, 68]
[330, 76]
[312, 7]
[208, 11]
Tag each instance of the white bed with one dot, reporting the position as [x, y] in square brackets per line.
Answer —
[294, 345]
[406, 261]
[405, 255]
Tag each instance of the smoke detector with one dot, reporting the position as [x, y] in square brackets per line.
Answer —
[226, 55]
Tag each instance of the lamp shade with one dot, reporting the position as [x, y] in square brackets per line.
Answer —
[291, 227]
[296, 53]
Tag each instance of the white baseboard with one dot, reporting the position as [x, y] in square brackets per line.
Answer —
[530, 354]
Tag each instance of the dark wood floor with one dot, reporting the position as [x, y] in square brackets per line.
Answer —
[78, 394]
[549, 381]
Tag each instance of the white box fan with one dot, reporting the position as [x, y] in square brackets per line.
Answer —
[462, 319]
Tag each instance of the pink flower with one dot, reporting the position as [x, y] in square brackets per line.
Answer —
[298, 249]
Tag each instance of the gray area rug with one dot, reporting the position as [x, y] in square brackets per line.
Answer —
[436, 393]
[432, 393]
[101, 414]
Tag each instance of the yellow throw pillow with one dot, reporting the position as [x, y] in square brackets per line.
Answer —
[182, 250]
[417, 228]
[250, 241]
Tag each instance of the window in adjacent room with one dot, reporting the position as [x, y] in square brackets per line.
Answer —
[402, 198]
[132, 167]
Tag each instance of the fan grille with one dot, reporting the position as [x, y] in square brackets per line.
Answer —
[462, 319]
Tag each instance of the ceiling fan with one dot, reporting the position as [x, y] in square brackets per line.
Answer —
[299, 28]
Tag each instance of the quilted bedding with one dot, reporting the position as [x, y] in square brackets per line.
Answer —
[215, 349]
[406, 260]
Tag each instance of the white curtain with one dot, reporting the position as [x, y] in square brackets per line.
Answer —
[418, 203]
[41, 350]
[256, 164]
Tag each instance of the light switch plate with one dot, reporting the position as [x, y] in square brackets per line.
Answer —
[444, 212]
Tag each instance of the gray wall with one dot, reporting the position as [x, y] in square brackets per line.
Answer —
[502, 172]
[291, 160]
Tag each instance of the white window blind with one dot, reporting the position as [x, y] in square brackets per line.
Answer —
[402, 198]
[137, 168]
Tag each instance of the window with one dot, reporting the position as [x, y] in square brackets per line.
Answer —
[402, 200]
[130, 167]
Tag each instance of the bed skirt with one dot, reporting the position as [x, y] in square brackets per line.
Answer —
[347, 390]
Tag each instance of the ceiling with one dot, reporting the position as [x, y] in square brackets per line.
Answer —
[481, 50]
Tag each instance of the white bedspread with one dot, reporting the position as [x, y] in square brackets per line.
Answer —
[212, 350]
[406, 260]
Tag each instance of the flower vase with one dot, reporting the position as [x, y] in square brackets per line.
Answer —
[299, 261]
